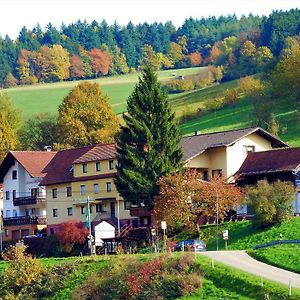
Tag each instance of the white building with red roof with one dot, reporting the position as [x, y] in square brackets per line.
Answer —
[24, 205]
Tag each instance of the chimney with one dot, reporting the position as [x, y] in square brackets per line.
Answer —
[197, 132]
[47, 148]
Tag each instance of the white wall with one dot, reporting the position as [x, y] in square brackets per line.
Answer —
[236, 153]
[22, 185]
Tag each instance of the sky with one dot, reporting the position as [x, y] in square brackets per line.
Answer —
[18, 13]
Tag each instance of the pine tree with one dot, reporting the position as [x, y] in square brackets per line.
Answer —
[148, 145]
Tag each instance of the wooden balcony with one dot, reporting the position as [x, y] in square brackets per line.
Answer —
[25, 220]
[139, 212]
[29, 200]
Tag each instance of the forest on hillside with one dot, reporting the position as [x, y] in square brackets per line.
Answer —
[81, 50]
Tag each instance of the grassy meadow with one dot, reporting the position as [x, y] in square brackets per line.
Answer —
[242, 236]
[47, 97]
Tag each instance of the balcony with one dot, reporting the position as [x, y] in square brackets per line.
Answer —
[25, 220]
[139, 212]
[29, 200]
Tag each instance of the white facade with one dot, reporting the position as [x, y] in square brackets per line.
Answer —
[18, 183]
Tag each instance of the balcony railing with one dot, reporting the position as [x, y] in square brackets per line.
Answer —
[25, 220]
[139, 212]
[29, 200]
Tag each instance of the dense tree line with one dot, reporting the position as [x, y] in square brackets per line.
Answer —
[88, 50]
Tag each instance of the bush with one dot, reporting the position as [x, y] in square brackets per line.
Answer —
[270, 203]
[160, 278]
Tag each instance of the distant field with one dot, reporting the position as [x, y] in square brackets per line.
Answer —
[47, 97]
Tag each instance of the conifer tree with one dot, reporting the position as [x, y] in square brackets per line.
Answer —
[148, 144]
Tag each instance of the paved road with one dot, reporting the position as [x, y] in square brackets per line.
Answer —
[241, 260]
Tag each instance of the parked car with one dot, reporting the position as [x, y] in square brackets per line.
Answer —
[191, 245]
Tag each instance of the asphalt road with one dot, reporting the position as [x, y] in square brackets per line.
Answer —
[241, 260]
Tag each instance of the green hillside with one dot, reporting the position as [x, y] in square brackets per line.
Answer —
[47, 97]
[237, 115]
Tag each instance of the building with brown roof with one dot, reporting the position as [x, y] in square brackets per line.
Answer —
[279, 164]
[76, 175]
[224, 152]
[24, 206]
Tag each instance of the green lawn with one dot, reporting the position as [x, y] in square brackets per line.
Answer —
[243, 236]
[223, 282]
[47, 97]
[282, 256]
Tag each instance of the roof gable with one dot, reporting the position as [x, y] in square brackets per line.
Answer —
[197, 144]
[33, 162]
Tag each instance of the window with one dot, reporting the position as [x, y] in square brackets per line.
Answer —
[7, 213]
[84, 168]
[14, 194]
[70, 211]
[27, 212]
[110, 164]
[127, 205]
[69, 191]
[14, 174]
[15, 214]
[7, 195]
[34, 192]
[6, 232]
[98, 166]
[216, 173]
[82, 210]
[51, 231]
[99, 207]
[205, 175]
[82, 189]
[55, 212]
[249, 149]
[96, 188]
[108, 187]
[54, 193]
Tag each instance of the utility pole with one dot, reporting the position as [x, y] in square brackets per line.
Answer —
[217, 231]
[88, 224]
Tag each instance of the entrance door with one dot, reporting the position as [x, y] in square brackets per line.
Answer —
[112, 210]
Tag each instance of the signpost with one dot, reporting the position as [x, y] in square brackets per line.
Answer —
[225, 237]
[164, 227]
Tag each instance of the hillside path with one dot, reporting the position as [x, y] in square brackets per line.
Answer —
[241, 260]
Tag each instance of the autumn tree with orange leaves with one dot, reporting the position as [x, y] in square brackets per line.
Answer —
[184, 198]
[100, 62]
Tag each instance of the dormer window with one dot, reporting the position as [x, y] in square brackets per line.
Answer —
[84, 168]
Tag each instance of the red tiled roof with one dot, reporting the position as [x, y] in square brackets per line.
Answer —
[60, 168]
[272, 161]
[32, 161]
[99, 152]
[196, 144]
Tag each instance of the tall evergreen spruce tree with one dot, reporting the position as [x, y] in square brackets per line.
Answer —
[148, 145]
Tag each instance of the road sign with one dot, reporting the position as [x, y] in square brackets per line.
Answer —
[225, 235]
[163, 225]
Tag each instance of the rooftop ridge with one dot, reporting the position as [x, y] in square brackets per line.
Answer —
[224, 131]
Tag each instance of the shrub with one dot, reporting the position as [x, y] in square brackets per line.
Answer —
[270, 203]
[160, 278]
[231, 96]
